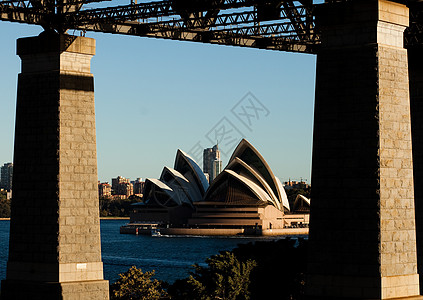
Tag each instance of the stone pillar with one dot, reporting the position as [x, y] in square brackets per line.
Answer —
[362, 224]
[54, 248]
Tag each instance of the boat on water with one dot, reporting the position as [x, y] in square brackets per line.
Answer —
[138, 228]
[155, 232]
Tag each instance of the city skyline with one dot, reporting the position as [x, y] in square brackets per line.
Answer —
[154, 96]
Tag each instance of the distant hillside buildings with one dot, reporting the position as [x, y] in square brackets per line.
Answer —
[121, 188]
[104, 190]
[296, 185]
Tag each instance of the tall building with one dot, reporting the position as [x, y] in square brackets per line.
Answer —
[122, 186]
[212, 165]
[6, 176]
[216, 169]
[138, 186]
[126, 189]
[116, 182]
[104, 190]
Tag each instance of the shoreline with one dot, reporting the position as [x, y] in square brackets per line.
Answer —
[153, 231]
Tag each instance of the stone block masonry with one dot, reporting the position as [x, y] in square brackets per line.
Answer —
[362, 232]
[54, 249]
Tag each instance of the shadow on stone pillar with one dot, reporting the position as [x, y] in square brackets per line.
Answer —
[362, 223]
[54, 247]
[415, 63]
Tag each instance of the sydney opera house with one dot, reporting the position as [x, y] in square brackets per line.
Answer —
[245, 198]
[170, 200]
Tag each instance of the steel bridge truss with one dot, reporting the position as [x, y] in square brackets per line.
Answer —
[267, 24]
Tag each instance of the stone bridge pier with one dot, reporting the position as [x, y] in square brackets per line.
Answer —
[54, 248]
[362, 224]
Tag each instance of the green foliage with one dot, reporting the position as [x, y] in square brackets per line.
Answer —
[4, 206]
[256, 271]
[292, 194]
[134, 284]
[116, 208]
[225, 277]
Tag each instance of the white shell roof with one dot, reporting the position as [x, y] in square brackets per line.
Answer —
[258, 177]
[165, 188]
[196, 170]
[160, 184]
[284, 197]
[299, 201]
[190, 189]
[303, 198]
[175, 174]
[257, 190]
[240, 150]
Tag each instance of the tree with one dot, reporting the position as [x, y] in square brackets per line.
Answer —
[134, 284]
[225, 278]
[4, 205]
[117, 207]
[5, 208]
[281, 268]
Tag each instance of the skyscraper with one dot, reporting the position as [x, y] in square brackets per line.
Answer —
[6, 176]
[216, 169]
[212, 165]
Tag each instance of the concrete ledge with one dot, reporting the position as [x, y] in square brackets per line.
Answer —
[201, 231]
[285, 231]
[409, 298]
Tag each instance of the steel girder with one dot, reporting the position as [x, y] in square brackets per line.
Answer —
[268, 24]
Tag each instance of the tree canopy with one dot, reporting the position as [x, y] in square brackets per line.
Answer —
[136, 285]
[253, 271]
[225, 277]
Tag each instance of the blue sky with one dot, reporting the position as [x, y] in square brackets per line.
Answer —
[155, 96]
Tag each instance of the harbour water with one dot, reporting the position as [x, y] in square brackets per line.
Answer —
[171, 257]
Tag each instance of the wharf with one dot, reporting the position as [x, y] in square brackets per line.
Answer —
[146, 229]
